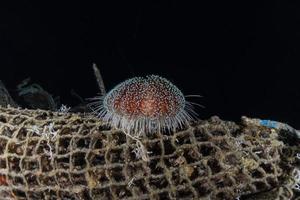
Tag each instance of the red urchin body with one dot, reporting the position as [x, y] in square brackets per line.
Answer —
[145, 104]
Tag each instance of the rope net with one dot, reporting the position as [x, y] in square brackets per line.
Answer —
[52, 155]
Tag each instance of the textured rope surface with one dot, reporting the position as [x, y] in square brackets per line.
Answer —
[48, 155]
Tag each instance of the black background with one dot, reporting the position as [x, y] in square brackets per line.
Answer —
[242, 57]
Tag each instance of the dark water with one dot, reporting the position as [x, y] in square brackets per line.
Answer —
[242, 57]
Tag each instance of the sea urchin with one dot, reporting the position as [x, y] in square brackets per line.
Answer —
[144, 104]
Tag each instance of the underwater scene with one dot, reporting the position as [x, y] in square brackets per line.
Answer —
[149, 100]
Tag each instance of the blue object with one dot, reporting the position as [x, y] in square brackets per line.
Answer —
[269, 123]
[279, 125]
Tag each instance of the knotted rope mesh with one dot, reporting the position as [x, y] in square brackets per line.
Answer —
[52, 155]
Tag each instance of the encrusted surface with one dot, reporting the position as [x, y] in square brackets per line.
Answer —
[210, 159]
